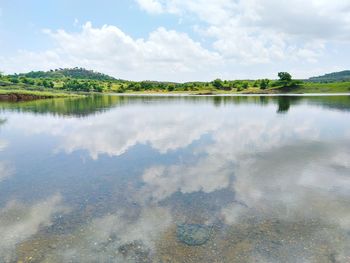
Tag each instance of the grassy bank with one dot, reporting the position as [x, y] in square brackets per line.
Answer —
[23, 88]
[16, 94]
[305, 88]
[335, 87]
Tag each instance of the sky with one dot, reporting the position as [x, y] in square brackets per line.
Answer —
[177, 40]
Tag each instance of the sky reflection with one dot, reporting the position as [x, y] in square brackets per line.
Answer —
[117, 184]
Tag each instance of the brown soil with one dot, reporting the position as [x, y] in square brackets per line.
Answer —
[20, 97]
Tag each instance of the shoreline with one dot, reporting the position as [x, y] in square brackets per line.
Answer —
[21, 97]
[228, 94]
[27, 95]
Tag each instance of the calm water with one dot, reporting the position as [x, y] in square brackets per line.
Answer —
[175, 179]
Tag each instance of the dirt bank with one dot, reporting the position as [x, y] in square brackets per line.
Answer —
[21, 97]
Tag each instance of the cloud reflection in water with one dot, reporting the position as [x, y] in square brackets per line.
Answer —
[271, 185]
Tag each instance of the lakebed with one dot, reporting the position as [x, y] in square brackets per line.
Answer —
[175, 179]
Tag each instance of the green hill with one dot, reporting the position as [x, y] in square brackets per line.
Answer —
[332, 77]
[74, 73]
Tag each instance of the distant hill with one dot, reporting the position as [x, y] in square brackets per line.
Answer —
[332, 77]
[75, 73]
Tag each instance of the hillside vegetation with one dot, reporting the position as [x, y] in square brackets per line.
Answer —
[74, 73]
[82, 80]
[333, 77]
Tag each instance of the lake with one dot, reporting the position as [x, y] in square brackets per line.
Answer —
[175, 179]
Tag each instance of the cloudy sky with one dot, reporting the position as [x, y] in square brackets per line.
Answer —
[177, 40]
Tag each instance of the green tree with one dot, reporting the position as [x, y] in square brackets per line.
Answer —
[146, 85]
[286, 80]
[171, 87]
[137, 87]
[239, 88]
[14, 80]
[131, 86]
[218, 84]
[76, 85]
[121, 89]
[45, 83]
[264, 83]
[285, 77]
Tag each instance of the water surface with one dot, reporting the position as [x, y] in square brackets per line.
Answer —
[175, 179]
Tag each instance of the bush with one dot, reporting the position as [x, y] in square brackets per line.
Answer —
[121, 89]
[264, 83]
[76, 85]
[218, 84]
[170, 88]
[14, 80]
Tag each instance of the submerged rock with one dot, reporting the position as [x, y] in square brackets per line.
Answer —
[193, 234]
[136, 252]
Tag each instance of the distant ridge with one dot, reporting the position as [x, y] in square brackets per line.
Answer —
[332, 77]
[74, 73]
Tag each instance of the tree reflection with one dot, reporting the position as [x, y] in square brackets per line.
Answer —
[2, 121]
[81, 107]
[283, 104]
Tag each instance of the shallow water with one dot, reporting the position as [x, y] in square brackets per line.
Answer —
[175, 179]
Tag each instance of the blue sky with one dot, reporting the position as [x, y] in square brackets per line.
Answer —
[178, 40]
[22, 21]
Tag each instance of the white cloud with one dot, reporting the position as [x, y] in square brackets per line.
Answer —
[261, 32]
[238, 39]
[165, 53]
[76, 22]
[151, 6]
[310, 19]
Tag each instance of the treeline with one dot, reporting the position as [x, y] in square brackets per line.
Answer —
[79, 84]
[285, 81]
[76, 73]
[29, 81]
[341, 76]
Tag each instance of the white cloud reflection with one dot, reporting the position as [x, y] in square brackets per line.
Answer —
[3, 144]
[115, 132]
[165, 129]
[116, 238]
[292, 168]
[294, 181]
[5, 169]
[233, 142]
[18, 222]
[207, 175]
